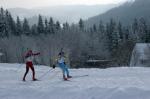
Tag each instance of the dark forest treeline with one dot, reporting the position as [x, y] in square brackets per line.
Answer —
[111, 41]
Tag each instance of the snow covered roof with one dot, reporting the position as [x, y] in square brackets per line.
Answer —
[140, 48]
[140, 55]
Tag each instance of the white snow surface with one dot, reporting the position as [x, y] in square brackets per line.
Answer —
[111, 83]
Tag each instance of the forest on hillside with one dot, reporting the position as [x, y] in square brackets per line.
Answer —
[111, 41]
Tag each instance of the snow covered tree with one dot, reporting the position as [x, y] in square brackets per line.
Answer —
[18, 27]
[110, 29]
[115, 42]
[81, 25]
[26, 28]
[135, 28]
[65, 26]
[94, 28]
[126, 34]
[40, 26]
[142, 30]
[120, 30]
[51, 27]
[10, 26]
[101, 27]
[34, 30]
[46, 27]
[2, 23]
[58, 26]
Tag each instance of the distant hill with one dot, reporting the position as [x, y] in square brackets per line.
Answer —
[125, 13]
[69, 13]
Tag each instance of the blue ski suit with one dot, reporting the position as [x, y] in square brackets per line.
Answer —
[63, 66]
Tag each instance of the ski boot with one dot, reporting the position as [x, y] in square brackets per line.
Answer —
[34, 79]
[64, 78]
[68, 76]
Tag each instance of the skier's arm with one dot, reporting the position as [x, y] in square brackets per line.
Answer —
[65, 60]
[36, 53]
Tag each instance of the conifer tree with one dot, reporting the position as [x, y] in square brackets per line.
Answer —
[81, 25]
[18, 27]
[58, 26]
[120, 31]
[40, 26]
[34, 30]
[46, 27]
[51, 28]
[26, 28]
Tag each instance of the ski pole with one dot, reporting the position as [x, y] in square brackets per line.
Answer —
[45, 73]
[55, 74]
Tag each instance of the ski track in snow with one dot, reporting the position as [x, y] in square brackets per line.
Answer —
[111, 83]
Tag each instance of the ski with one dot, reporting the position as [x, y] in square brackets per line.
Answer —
[36, 80]
[31, 80]
[77, 76]
[67, 80]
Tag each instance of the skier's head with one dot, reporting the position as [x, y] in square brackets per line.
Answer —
[61, 54]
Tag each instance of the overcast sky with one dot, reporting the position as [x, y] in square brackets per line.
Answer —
[41, 3]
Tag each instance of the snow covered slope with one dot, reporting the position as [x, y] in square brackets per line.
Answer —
[112, 83]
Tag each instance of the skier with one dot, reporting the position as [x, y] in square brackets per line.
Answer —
[63, 66]
[29, 64]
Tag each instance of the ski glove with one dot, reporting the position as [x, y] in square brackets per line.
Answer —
[54, 66]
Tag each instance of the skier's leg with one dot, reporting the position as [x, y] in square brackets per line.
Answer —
[33, 72]
[62, 66]
[67, 71]
[27, 70]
